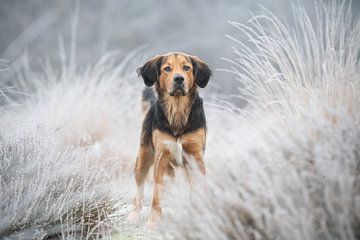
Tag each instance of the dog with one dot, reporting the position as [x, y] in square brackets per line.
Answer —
[174, 125]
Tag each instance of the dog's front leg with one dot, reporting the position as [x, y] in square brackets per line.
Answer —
[143, 163]
[194, 145]
[163, 157]
[162, 162]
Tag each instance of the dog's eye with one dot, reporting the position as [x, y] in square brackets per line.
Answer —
[167, 69]
[186, 68]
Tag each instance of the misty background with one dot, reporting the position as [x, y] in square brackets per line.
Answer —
[39, 28]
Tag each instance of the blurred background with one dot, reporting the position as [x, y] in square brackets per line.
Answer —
[196, 27]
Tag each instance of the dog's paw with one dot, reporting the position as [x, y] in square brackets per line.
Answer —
[151, 224]
[153, 220]
[134, 216]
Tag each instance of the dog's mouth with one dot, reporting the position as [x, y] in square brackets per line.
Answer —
[177, 91]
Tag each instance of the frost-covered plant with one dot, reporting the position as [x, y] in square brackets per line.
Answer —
[64, 150]
[286, 166]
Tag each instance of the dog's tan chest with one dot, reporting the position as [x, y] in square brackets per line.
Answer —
[190, 144]
[177, 112]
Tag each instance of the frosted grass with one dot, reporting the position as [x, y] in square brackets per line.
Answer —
[65, 150]
[286, 166]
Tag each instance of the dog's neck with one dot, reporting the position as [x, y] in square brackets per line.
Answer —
[177, 110]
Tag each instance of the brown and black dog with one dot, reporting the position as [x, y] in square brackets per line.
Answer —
[175, 118]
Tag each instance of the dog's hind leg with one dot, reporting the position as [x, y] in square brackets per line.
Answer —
[143, 163]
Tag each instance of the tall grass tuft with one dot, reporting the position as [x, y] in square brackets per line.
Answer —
[66, 150]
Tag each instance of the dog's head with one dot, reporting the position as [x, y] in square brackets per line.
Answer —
[175, 73]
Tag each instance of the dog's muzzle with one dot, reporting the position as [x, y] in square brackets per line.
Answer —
[177, 91]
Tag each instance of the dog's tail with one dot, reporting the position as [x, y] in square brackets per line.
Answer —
[148, 98]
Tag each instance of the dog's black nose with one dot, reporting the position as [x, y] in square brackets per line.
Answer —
[178, 79]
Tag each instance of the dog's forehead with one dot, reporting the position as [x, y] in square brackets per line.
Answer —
[175, 57]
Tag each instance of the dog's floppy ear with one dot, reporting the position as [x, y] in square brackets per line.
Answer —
[201, 70]
[150, 72]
